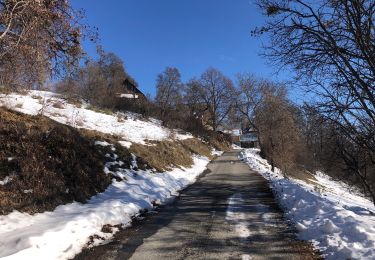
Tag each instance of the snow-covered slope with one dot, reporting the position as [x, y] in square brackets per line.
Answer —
[64, 232]
[338, 221]
[128, 126]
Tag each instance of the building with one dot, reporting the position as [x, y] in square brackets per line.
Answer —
[131, 90]
[235, 136]
[130, 98]
[247, 138]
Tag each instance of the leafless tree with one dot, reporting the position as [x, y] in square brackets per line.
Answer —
[169, 88]
[334, 153]
[251, 93]
[248, 97]
[37, 37]
[276, 120]
[214, 92]
[99, 82]
[331, 46]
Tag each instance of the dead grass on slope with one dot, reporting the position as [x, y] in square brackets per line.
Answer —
[165, 155]
[220, 142]
[48, 164]
[197, 146]
[299, 173]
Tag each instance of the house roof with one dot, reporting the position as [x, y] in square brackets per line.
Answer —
[131, 86]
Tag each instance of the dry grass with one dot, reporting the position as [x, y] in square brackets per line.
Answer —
[10, 90]
[217, 140]
[53, 164]
[56, 162]
[4, 90]
[197, 146]
[74, 101]
[37, 97]
[101, 110]
[58, 105]
[301, 174]
[19, 105]
[164, 155]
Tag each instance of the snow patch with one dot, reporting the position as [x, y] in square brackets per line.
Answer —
[63, 233]
[236, 147]
[6, 180]
[335, 219]
[126, 144]
[237, 217]
[215, 152]
[102, 143]
[130, 127]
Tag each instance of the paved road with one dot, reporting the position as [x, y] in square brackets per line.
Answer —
[229, 213]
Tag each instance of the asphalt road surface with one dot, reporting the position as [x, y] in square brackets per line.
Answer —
[229, 213]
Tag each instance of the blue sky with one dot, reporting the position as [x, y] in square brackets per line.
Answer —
[192, 35]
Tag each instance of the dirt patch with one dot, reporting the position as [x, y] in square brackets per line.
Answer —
[46, 164]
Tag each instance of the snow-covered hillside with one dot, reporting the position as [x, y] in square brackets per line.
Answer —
[128, 126]
[63, 233]
[338, 221]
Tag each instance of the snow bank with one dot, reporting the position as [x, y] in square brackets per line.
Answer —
[63, 233]
[129, 126]
[215, 152]
[339, 223]
[236, 147]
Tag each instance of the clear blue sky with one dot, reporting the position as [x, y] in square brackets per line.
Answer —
[192, 35]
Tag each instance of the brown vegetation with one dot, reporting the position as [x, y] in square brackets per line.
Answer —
[330, 45]
[101, 82]
[24, 61]
[49, 164]
[196, 146]
[165, 155]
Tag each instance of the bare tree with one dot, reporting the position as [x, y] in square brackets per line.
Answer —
[334, 153]
[331, 46]
[214, 91]
[169, 88]
[251, 94]
[99, 82]
[248, 96]
[276, 120]
[37, 38]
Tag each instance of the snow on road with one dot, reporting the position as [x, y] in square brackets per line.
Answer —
[237, 217]
[339, 221]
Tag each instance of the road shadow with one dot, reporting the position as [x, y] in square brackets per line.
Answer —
[195, 225]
